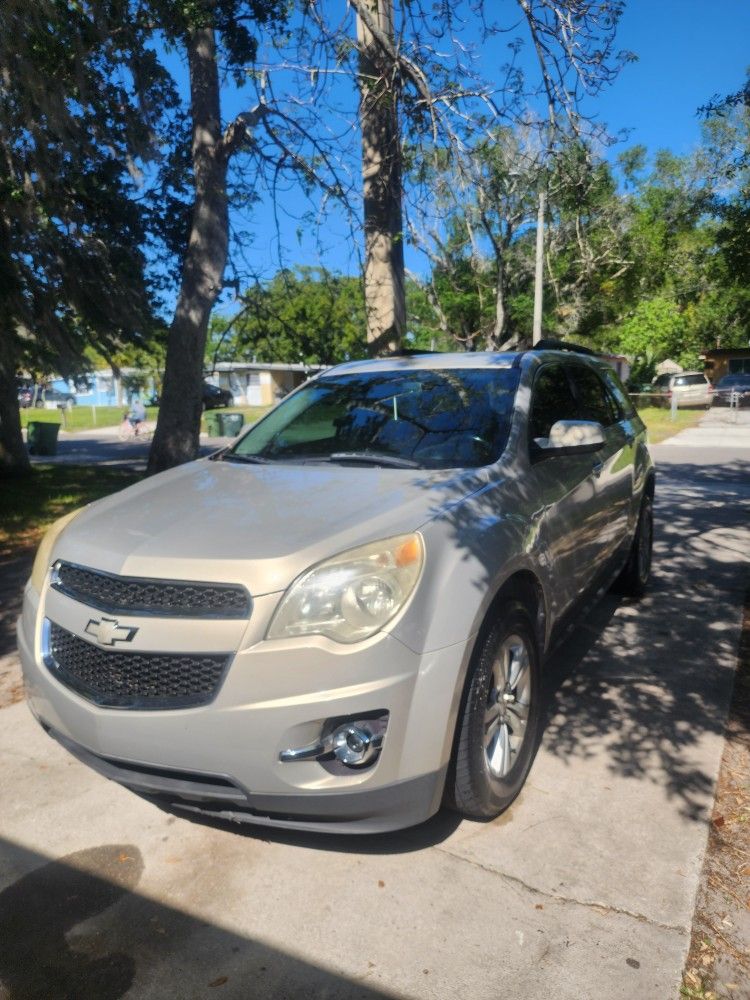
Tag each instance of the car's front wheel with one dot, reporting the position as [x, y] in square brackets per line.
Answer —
[501, 717]
[633, 580]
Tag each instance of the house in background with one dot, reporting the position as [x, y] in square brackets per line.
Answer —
[102, 387]
[726, 361]
[620, 364]
[258, 384]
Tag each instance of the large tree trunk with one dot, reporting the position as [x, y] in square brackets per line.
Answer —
[13, 457]
[178, 427]
[498, 330]
[385, 295]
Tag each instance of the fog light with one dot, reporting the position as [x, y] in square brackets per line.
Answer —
[355, 745]
[352, 742]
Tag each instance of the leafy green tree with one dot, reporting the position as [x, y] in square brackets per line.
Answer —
[306, 315]
[80, 104]
[657, 326]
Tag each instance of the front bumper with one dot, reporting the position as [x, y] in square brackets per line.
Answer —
[223, 758]
[369, 810]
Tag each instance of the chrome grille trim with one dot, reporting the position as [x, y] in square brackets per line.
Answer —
[149, 596]
[134, 679]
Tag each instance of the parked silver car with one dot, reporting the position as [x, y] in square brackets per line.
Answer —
[339, 622]
[688, 389]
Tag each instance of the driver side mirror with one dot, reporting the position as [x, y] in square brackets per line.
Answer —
[569, 437]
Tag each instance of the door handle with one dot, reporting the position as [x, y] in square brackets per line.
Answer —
[597, 467]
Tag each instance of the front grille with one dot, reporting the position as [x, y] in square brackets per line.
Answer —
[144, 596]
[115, 679]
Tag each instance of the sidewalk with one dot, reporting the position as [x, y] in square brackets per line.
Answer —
[720, 428]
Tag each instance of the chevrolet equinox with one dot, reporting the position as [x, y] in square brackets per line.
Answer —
[339, 622]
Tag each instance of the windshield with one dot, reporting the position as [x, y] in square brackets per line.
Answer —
[731, 380]
[437, 419]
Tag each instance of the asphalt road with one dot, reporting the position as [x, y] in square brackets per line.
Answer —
[102, 446]
[585, 888]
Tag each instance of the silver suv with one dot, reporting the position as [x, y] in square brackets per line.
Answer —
[686, 388]
[338, 623]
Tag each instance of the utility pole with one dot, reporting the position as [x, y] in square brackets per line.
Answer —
[385, 297]
[539, 273]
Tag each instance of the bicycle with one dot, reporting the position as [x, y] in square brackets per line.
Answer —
[139, 432]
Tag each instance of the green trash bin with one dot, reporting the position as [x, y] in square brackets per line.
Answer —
[232, 423]
[213, 424]
[41, 437]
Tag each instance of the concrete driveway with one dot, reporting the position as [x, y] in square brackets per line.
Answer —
[585, 888]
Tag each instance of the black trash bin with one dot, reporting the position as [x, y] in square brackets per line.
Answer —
[41, 437]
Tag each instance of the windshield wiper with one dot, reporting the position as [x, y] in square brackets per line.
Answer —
[231, 456]
[374, 458]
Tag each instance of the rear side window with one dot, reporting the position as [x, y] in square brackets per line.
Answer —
[552, 401]
[617, 389]
[594, 402]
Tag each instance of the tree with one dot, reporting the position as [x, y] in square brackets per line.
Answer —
[306, 315]
[205, 32]
[480, 203]
[80, 103]
[379, 88]
[416, 67]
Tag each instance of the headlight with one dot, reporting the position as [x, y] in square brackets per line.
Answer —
[352, 596]
[42, 560]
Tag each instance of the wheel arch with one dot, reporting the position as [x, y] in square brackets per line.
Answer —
[650, 486]
[525, 586]
[522, 585]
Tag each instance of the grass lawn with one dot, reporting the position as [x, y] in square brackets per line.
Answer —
[81, 418]
[660, 425]
[29, 505]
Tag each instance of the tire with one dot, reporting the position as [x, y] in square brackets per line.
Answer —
[494, 747]
[634, 578]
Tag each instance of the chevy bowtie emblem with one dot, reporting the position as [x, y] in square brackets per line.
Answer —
[108, 631]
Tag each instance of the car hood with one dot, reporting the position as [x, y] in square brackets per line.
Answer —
[259, 525]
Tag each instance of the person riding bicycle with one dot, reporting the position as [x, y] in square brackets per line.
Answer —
[136, 414]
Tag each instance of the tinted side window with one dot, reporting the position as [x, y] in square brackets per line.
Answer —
[552, 400]
[617, 389]
[594, 402]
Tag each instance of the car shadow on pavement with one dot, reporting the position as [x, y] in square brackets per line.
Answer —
[79, 927]
[646, 682]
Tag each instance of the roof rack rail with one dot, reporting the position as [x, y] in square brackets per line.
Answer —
[408, 352]
[550, 344]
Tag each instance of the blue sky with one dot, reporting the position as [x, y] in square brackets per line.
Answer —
[688, 50]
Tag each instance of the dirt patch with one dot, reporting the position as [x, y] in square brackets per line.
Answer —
[14, 572]
[718, 963]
